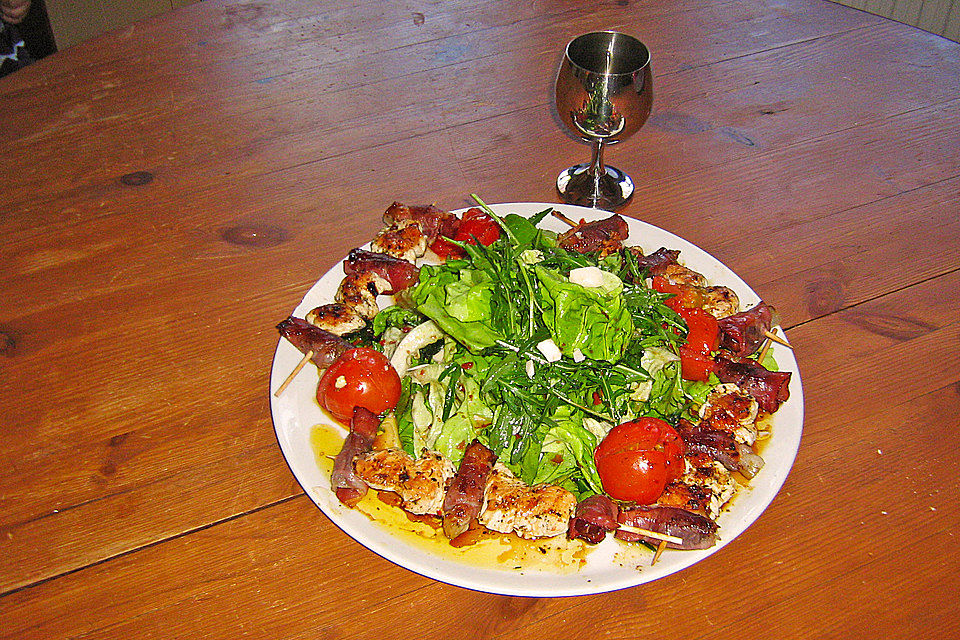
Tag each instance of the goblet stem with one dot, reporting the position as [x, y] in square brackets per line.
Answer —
[597, 170]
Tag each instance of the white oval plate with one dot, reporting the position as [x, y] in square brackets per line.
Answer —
[296, 412]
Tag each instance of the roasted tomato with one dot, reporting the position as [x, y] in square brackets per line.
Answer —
[703, 331]
[359, 378]
[695, 365]
[703, 336]
[684, 295]
[637, 459]
[475, 224]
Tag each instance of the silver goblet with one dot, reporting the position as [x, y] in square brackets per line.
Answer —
[604, 94]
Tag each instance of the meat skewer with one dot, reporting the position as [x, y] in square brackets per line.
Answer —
[693, 530]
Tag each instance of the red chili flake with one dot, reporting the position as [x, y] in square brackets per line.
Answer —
[466, 366]
[597, 398]
[557, 459]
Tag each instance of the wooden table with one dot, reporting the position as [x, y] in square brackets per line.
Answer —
[172, 189]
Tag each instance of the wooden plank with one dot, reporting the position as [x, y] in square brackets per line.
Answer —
[952, 28]
[934, 16]
[907, 11]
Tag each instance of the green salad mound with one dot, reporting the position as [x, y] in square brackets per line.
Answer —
[537, 367]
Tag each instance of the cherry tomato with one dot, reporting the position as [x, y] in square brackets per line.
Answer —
[360, 377]
[475, 224]
[637, 459]
[683, 295]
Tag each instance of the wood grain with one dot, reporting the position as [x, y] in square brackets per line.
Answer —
[190, 176]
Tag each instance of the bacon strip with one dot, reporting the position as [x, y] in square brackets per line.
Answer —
[719, 445]
[400, 273]
[594, 517]
[605, 235]
[344, 480]
[326, 346]
[431, 219]
[696, 531]
[656, 261]
[742, 333]
[464, 499]
[769, 388]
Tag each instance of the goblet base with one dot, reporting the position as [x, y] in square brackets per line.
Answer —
[610, 190]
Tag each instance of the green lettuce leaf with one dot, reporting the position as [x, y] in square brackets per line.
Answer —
[593, 320]
[459, 302]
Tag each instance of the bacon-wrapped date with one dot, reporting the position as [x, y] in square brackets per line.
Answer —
[594, 517]
[464, 498]
[605, 235]
[400, 273]
[769, 388]
[326, 347]
[696, 531]
[742, 333]
[344, 480]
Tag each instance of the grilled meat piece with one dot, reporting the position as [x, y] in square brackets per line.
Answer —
[769, 388]
[399, 273]
[594, 517]
[510, 505]
[742, 333]
[336, 318]
[359, 291]
[605, 236]
[720, 302]
[405, 240]
[729, 409]
[431, 220]
[421, 483]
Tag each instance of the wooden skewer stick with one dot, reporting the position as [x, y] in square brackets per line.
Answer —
[773, 336]
[660, 548]
[763, 351]
[293, 374]
[559, 216]
[651, 534]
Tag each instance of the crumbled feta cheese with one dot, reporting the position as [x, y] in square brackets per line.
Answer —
[549, 349]
[587, 276]
[340, 382]
[578, 356]
[529, 368]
